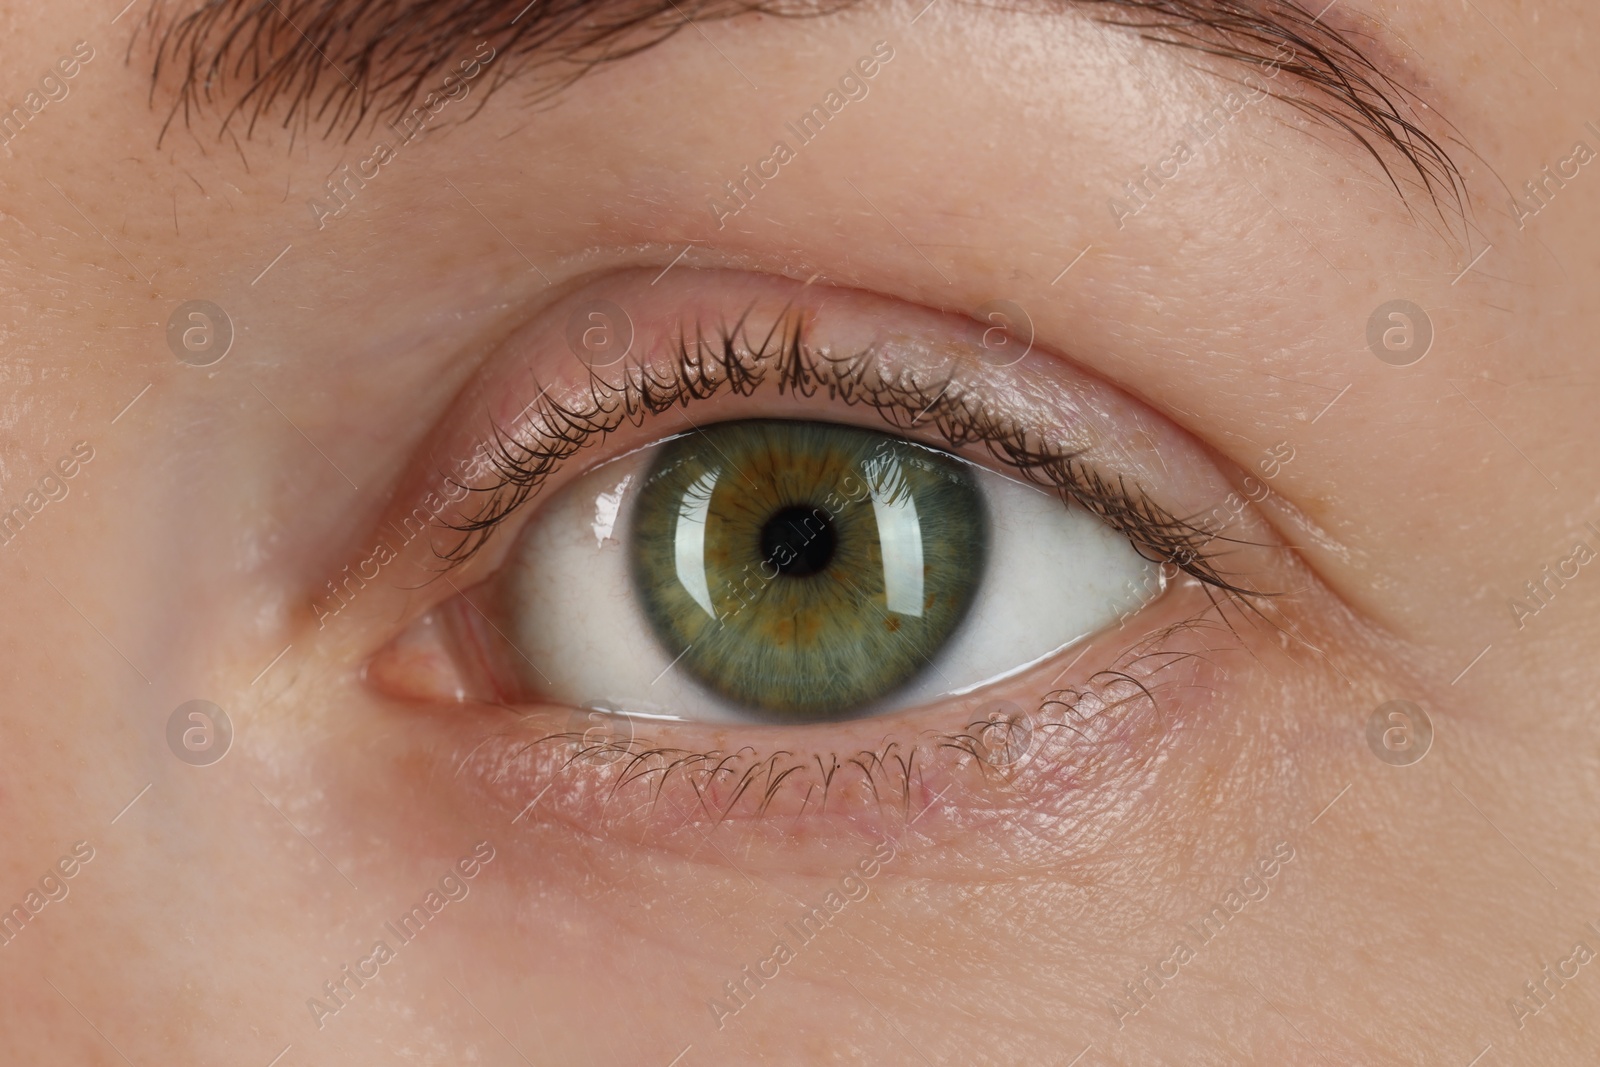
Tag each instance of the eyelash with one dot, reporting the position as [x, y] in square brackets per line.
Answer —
[1116, 692]
[782, 357]
[1086, 721]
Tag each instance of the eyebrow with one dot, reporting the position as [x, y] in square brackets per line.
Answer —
[334, 66]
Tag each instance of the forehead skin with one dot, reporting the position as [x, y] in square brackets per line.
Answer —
[1235, 303]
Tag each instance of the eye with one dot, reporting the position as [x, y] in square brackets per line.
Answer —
[794, 571]
[796, 549]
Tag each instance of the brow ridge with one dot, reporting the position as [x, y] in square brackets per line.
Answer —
[336, 67]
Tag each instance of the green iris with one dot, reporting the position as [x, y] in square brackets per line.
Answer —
[803, 569]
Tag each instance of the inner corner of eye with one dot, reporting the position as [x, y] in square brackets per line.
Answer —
[783, 571]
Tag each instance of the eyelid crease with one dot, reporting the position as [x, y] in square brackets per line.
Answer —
[741, 364]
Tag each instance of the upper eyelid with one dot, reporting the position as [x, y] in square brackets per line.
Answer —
[388, 62]
[518, 467]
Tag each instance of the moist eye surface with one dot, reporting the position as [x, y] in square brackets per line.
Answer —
[804, 569]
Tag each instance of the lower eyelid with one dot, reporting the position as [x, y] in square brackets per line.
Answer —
[928, 774]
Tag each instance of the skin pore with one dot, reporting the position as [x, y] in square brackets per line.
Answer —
[1219, 867]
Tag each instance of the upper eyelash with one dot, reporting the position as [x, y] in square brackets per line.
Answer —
[741, 363]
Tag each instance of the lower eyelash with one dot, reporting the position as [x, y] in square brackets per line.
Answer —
[1086, 731]
[781, 359]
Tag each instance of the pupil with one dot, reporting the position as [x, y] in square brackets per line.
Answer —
[799, 541]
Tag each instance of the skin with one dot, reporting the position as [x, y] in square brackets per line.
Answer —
[1226, 317]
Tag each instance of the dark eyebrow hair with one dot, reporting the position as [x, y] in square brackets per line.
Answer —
[336, 65]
